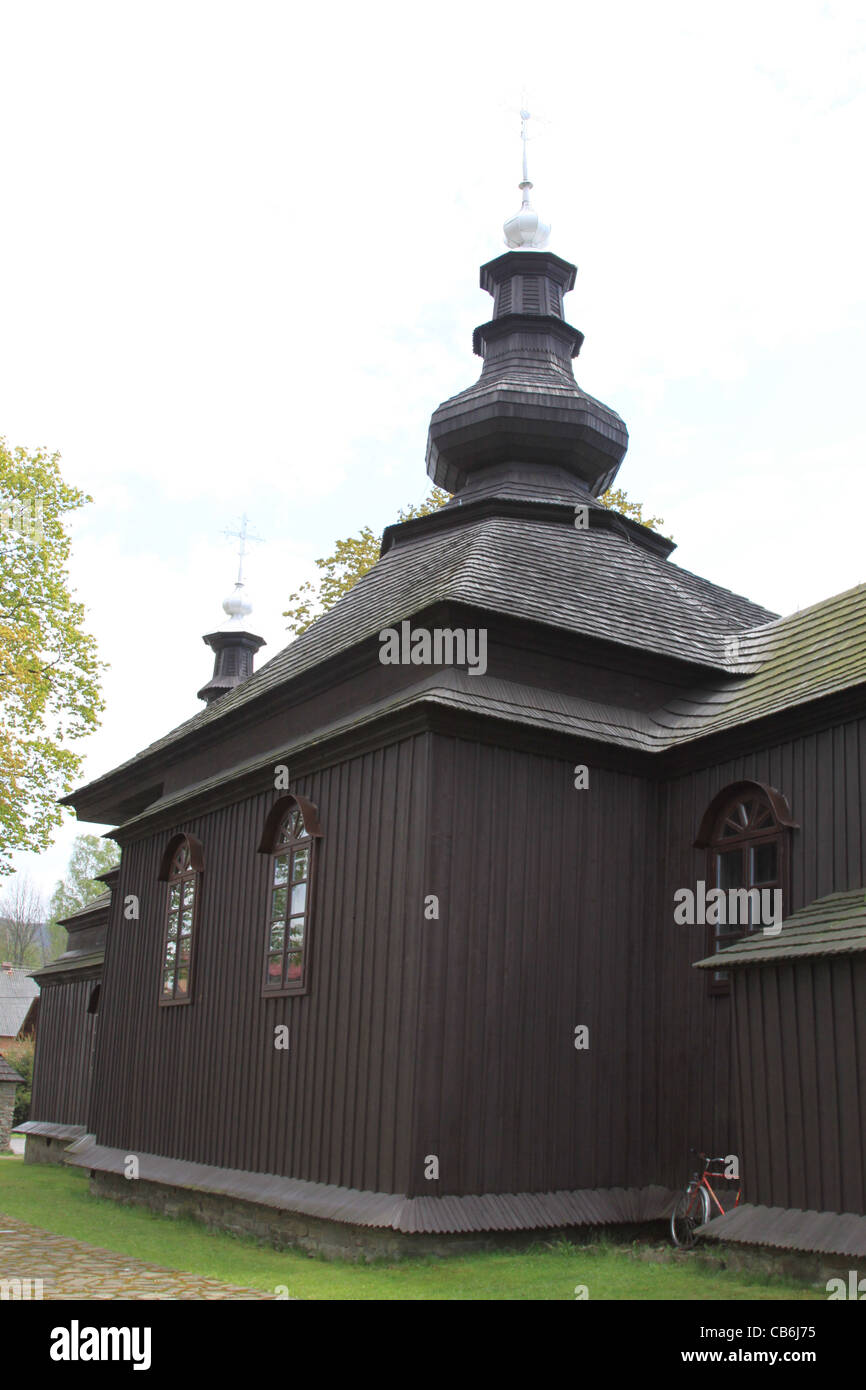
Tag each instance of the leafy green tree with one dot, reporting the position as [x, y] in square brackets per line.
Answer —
[353, 557]
[617, 501]
[20, 1055]
[91, 855]
[49, 669]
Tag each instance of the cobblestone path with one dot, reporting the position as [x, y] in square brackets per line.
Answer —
[70, 1269]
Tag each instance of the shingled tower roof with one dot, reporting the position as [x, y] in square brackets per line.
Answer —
[526, 407]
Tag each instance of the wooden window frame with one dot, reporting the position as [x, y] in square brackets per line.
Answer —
[711, 838]
[274, 847]
[191, 874]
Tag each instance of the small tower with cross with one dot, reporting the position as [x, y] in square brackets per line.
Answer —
[234, 647]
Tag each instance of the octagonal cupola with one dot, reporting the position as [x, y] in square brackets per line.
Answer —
[526, 406]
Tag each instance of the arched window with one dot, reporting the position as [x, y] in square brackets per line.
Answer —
[181, 866]
[289, 840]
[746, 832]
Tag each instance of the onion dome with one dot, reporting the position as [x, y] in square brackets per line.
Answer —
[525, 231]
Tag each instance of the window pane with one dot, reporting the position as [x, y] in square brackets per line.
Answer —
[185, 947]
[186, 920]
[765, 863]
[281, 870]
[275, 970]
[278, 936]
[167, 981]
[295, 965]
[296, 933]
[172, 925]
[299, 898]
[300, 864]
[170, 953]
[279, 904]
[729, 869]
[182, 981]
[174, 898]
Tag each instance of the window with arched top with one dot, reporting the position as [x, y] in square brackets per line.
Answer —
[289, 841]
[181, 869]
[746, 831]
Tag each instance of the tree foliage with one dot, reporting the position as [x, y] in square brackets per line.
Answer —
[354, 556]
[91, 855]
[20, 1055]
[49, 669]
[617, 501]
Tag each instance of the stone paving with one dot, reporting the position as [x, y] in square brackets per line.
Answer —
[69, 1269]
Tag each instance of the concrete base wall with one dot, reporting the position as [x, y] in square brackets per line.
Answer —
[332, 1239]
[37, 1149]
[803, 1266]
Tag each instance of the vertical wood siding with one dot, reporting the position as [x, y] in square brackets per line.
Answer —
[455, 1037]
[803, 1106]
[823, 775]
[204, 1081]
[64, 1050]
[545, 926]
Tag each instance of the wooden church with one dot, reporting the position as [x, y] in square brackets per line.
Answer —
[391, 961]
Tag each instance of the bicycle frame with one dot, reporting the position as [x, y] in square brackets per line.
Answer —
[703, 1181]
[700, 1202]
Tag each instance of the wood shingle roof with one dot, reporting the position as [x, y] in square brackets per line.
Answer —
[830, 926]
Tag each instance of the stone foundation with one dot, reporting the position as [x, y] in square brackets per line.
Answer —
[38, 1149]
[7, 1105]
[801, 1266]
[335, 1240]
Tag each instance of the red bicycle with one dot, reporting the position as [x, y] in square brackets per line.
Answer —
[693, 1208]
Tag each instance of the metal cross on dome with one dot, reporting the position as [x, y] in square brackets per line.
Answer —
[526, 231]
[524, 135]
[243, 535]
[525, 117]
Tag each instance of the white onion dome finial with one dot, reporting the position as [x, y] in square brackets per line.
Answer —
[237, 606]
[525, 231]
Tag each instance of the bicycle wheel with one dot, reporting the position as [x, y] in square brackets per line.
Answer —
[691, 1211]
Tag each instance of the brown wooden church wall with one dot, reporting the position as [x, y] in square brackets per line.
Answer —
[802, 1057]
[823, 775]
[64, 1045]
[203, 1081]
[546, 924]
[556, 909]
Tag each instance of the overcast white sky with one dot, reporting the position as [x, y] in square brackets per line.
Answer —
[239, 261]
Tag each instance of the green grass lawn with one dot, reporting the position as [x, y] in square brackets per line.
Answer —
[58, 1200]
